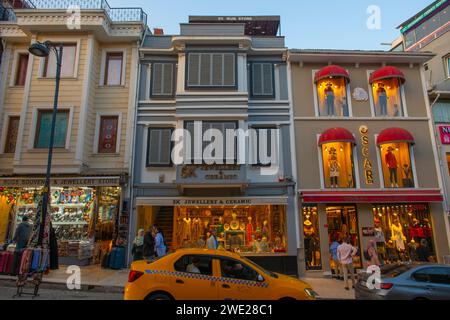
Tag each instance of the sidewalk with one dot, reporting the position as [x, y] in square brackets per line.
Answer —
[328, 288]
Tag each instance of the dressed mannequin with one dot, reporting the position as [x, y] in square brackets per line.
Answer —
[308, 230]
[196, 228]
[382, 99]
[220, 227]
[334, 168]
[249, 230]
[185, 225]
[265, 230]
[412, 250]
[407, 176]
[398, 236]
[380, 241]
[391, 163]
[329, 99]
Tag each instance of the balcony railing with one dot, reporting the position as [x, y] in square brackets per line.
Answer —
[115, 14]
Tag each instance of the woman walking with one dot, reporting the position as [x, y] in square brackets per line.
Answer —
[138, 246]
[160, 246]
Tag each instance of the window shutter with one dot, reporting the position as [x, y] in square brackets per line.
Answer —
[205, 69]
[217, 69]
[211, 69]
[257, 79]
[154, 148]
[262, 77]
[157, 79]
[229, 69]
[267, 79]
[168, 79]
[159, 147]
[193, 69]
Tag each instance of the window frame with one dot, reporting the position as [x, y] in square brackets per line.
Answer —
[5, 129]
[447, 65]
[152, 77]
[147, 153]
[425, 270]
[104, 65]
[15, 69]
[66, 41]
[221, 258]
[197, 256]
[262, 97]
[187, 86]
[255, 157]
[98, 119]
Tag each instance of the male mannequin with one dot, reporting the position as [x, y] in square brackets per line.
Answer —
[329, 99]
[391, 163]
[382, 99]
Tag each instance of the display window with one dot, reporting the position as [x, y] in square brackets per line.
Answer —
[403, 232]
[332, 97]
[343, 224]
[338, 165]
[387, 97]
[247, 229]
[397, 165]
[311, 238]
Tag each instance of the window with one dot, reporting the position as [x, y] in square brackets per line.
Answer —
[438, 275]
[11, 134]
[311, 226]
[235, 269]
[159, 147]
[43, 128]
[211, 70]
[448, 162]
[332, 97]
[387, 97]
[113, 69]
[68, 62]
[262, 80]
[21, 72]
[448, 66]
[338, 166]
[107, 139]
[163, 75]
[263, 146]
[396, 165]
[194, 264]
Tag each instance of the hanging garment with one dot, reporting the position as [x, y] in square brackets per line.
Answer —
[249, 233]
[25, 261]
[398, 237]
[36, 260]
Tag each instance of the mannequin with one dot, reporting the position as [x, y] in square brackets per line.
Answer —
[329, 99]
[265, 230]
[185, 226]
[249, 231]
[398, 236]
[308, 230]
[412, 247]
[407, 174]
[380, 240]
[220, 227]
[334, 168]
[391, 163]
[382, 99]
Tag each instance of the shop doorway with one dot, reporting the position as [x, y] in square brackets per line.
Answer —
[343, 223]
[312, 238]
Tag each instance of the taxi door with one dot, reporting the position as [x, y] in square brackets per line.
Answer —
[238, 281]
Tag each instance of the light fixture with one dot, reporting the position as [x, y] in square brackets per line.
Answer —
[40, 49]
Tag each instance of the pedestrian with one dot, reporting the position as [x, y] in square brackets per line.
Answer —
[423, 252]
[345, 254]
[138, 246]
[212, 242]
[372, 254]
[53, 247]
[160, 246]
[22, 234]
[337, 265]
[149, 244]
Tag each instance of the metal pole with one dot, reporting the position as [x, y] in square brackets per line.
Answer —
[46, 193]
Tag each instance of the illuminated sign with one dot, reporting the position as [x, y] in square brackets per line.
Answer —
[423, 15]
[368, 167]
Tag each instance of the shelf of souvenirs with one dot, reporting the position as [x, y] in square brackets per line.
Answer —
[65, 205]
[70, 223]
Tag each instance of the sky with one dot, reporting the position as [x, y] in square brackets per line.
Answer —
[319, 24]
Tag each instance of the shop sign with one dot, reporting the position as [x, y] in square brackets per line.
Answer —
[212, 201]
[216, 172]
[61, 182]
[444, 132]
[368, 232]
[368, 167]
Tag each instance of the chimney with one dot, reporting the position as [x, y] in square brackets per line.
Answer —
[158, 31]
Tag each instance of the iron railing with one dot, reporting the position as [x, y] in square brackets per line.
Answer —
[115, 14]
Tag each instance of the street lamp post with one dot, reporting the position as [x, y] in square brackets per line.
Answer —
[43, 50]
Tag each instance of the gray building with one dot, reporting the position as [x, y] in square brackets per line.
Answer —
[228, 74]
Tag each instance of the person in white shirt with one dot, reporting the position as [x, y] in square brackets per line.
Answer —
[345, 254]
[192, 267]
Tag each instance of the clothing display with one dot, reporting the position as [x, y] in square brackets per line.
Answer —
[382, 101]
[334, 167]
[329, 99]
[398, 237]
[391, 163]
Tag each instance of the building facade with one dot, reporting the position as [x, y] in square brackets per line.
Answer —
[225, 74]
[93, 140]
[366, 156]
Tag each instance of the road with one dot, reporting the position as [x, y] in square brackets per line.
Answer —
[7, 293]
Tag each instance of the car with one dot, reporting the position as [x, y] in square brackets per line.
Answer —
[205, 274]
[407, 281]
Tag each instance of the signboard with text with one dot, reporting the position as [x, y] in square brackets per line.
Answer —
[444, 133]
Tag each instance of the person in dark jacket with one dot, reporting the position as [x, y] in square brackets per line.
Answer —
[423, 252]
[138, 246]
[53, 244]
[149, 244]
[22, 234]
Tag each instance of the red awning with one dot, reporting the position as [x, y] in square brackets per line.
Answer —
[331, 71]
[387, 73]
[336, 135]
[375, 196]
[392, 135]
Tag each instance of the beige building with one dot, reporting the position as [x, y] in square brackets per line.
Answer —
[366, 160]
[92, 155]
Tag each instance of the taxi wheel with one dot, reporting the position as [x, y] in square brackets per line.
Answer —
[158, 296]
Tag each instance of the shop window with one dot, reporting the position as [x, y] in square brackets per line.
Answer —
[387, 97]
[262, 75]
[11, 134]
[343, 224]
[447, 60]
[163, 76]
[448, 162]
[107, 140]
[21, 71]
[332, 97]
[211, 70]
[312, 238]
[403, 232]
[68, 62]
[113, 69]
[263, 145]
[194, 264]
[397, 165]
[338, 165]
[43, 129]
[234, 269]
[159, 147]
[244, 229]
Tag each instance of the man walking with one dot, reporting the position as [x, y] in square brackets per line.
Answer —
[345, 254]
[337, 264]
[22, 234]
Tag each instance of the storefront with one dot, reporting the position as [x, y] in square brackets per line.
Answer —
[85, 213]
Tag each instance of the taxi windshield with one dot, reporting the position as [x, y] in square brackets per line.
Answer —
[254, 265]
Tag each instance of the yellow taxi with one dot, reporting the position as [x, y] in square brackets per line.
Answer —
[204, 274]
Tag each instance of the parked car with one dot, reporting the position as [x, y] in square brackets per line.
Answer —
[407, 282]
[204, 274]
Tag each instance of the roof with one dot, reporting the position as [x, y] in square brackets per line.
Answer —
[426, 12]
[254, 25]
